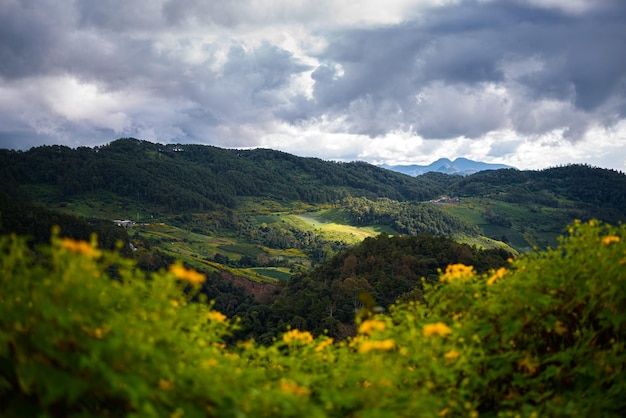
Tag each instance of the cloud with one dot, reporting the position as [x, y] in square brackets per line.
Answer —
[475, 67]
[362, 80]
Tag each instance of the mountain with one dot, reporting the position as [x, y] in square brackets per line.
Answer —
[460, 166]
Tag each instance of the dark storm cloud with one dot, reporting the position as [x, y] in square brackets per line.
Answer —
[47, 38]
[464, 46]
[250, 87]
[26, 35]
[119, 15]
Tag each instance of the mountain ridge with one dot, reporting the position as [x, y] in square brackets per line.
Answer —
[460, 166]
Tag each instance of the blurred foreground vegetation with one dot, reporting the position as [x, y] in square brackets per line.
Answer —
[84, 332]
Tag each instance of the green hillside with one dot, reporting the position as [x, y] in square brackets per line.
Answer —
[175, 178]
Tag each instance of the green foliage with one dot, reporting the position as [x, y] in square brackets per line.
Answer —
[407, 217]
[73, 340]
[546, 335]
[542, 337]
[387, 268]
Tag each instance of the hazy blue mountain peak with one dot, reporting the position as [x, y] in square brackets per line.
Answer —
[460, 166]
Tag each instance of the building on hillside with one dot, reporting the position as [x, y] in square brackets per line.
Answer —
[125, 223]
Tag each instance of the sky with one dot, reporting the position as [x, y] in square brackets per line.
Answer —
[528, 83]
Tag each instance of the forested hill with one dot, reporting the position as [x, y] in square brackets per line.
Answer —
[378, 272]
[199, 177]
[587, 191]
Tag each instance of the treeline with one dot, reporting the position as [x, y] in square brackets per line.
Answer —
[281, 236]
[198, 177]
[375, 273]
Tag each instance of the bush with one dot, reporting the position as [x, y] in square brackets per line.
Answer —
[542, 337]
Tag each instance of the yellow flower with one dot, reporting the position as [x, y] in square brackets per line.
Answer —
[609, 239]
[500, 273]
[81, 247]
[190, 276]
[459, 272]
[98, 333]
[370, 326]
[303, 337]
[165, 384]
[451, 355]
[438, 328]
[559, 328]
[372, 345]
[355, 341]
[292, 387]
[527, 364]
[216, 316]
[324, 344]
[207, 364]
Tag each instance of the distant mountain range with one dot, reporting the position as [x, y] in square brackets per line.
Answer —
[460, 166]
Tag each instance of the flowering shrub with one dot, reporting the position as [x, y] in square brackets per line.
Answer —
[542, 337]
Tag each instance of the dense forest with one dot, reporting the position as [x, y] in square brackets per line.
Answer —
[173, 183]
[371, 275]
[408, 218]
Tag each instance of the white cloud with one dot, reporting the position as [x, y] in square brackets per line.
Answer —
[82, 102]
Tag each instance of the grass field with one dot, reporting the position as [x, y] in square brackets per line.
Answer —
[530, 225]
[334, 231]
[275, 273]
[198, 251]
